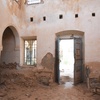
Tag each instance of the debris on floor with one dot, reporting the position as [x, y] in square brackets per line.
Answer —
[31, 83]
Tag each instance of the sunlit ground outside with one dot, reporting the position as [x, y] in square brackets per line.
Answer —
[67, 60]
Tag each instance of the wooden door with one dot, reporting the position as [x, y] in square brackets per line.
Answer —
[57, 70]
[78, 60]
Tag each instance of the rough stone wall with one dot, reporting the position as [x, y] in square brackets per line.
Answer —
[13, 74]
[94, 68]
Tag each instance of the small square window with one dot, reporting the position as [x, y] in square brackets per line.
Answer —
[93, 14]
[31, 19]
[44, 18]
[60, 16]
[76, 15]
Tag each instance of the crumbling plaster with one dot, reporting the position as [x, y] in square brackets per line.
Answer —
[18, 15]
[85, 22]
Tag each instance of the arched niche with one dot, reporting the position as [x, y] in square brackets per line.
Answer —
[10, 45]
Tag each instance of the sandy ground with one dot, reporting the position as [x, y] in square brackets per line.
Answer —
[24, 87]
[41, 92]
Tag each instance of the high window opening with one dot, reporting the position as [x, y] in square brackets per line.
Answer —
[30, 52]
[33, 1]
[66, 55]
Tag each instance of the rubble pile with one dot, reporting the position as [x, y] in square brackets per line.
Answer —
[44, 76]
[94, 69]
[93, 77]
[9, 65]
[24, 83]
[28, 77]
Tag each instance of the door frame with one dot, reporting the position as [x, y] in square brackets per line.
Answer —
[66, 35]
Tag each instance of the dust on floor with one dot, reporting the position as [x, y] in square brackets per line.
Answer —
[19, 85]
[41, 92]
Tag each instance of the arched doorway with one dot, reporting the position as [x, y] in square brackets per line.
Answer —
[10, 43]
[69, 54]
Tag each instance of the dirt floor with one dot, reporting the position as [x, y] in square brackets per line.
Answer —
[22, 84]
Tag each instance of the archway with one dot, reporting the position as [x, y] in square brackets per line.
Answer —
[10, 43]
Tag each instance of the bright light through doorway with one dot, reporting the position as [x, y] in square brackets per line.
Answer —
[66, 55]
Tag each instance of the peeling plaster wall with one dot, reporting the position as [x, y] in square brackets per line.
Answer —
[12, 14]
[19, 15]
[45, 30]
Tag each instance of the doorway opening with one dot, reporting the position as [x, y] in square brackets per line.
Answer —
[66, 56]
[69, 61]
